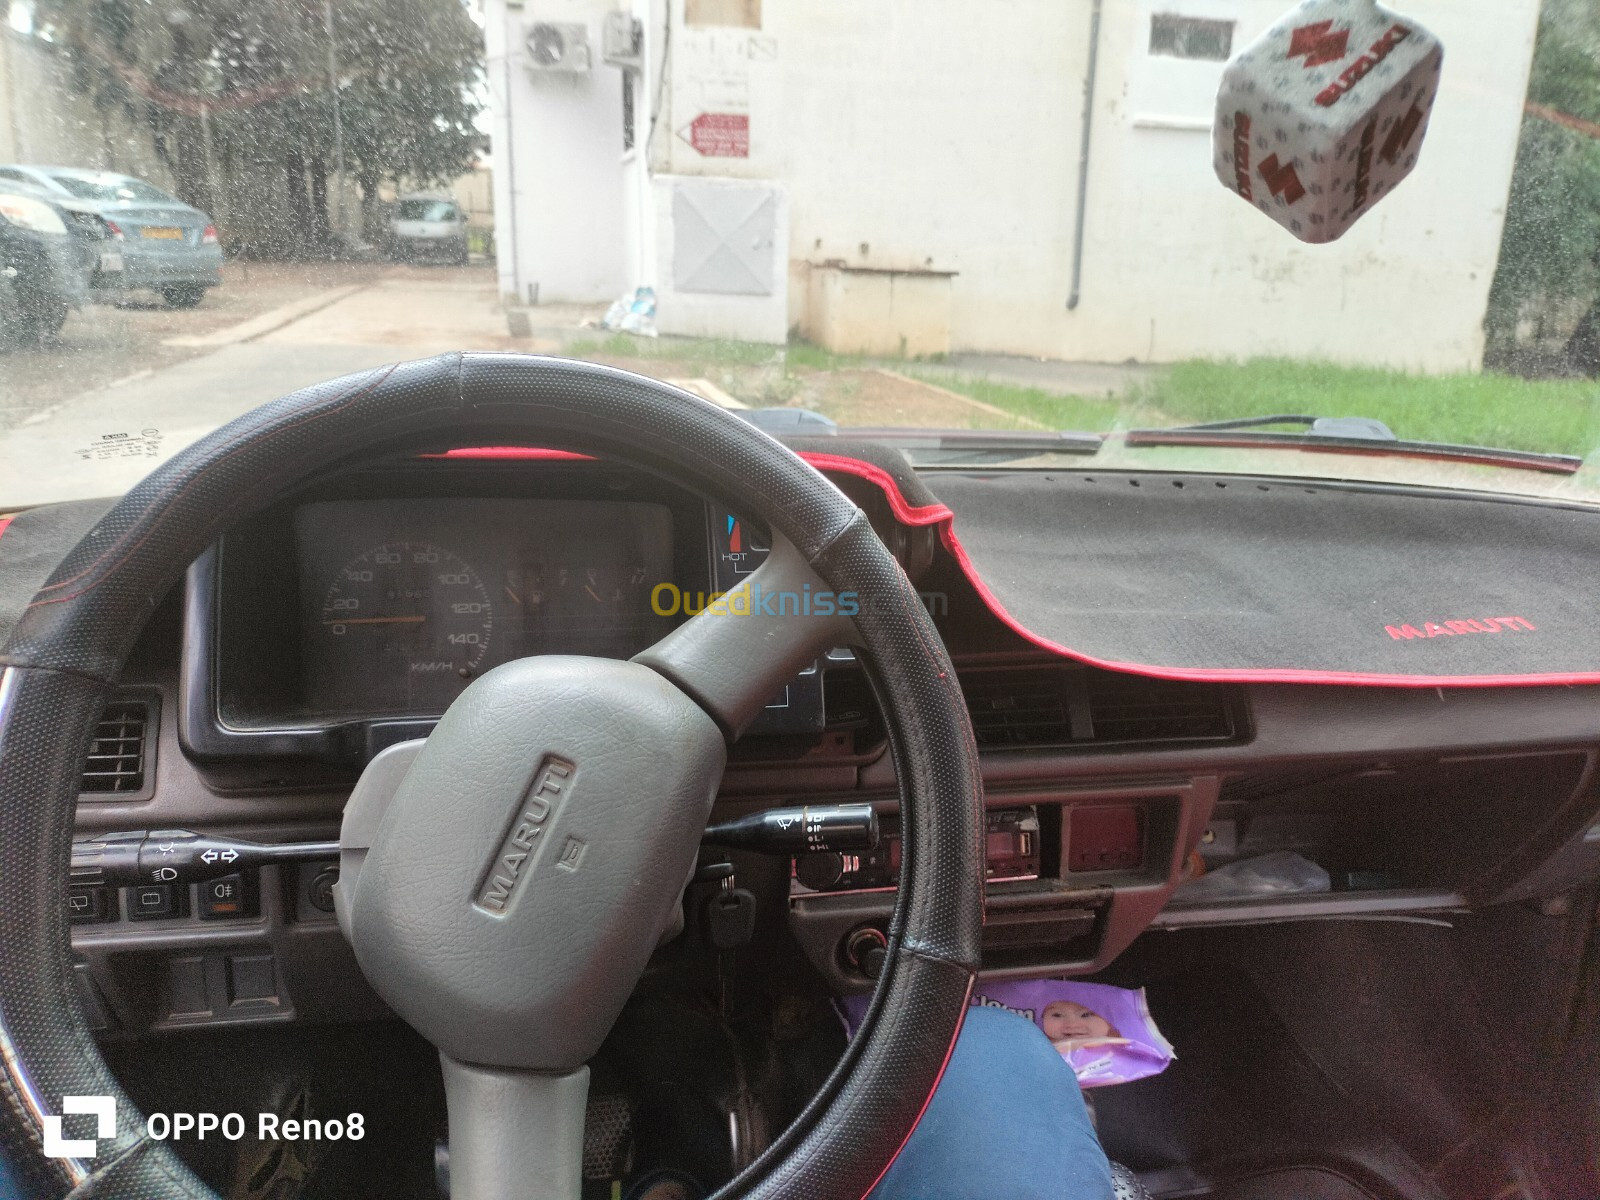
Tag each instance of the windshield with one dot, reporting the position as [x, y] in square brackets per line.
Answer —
[110, 187]
[1044, 235]
[426, 210]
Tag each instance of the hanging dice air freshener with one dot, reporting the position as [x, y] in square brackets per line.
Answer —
[1321, 116]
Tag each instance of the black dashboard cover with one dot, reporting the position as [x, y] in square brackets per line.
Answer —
[1271, 580]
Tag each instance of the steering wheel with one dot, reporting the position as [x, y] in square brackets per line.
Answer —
[505, 884]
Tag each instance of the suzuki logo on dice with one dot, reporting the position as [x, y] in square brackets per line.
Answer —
[1318, 43]
[518, 851]
[1400, 136]
[1282, 179]
[104, 1111]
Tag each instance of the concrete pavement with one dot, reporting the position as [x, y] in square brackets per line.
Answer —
[1048, 375]
[103, 441]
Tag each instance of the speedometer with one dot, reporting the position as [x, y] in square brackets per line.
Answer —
[413, 614]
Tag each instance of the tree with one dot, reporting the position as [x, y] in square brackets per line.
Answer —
[1550, 251]
[240, 89]
[410, 105]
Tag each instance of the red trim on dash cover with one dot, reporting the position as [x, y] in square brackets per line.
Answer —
[942, 516]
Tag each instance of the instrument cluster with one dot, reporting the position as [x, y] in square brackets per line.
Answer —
[404, 602]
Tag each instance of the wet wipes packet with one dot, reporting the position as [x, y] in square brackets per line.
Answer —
[1105, 1033]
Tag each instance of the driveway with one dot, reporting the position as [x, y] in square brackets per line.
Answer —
[106, 342]
[128, 387]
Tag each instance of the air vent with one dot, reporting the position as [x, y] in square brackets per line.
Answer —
[1019, 708]
[1134, 708]
[117, 754]
[1072, 706]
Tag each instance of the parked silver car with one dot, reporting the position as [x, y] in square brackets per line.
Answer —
[428, 225]
[167, 246]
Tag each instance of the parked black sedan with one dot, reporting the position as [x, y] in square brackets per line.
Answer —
[45, 262]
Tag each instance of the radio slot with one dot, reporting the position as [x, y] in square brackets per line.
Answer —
[1012, 854]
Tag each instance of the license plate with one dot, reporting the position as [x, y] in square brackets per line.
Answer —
[164, 232]
[110, 260]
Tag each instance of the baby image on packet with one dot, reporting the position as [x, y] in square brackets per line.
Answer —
[1105, 1033]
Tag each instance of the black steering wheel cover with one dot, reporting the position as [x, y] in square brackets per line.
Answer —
[69, 646]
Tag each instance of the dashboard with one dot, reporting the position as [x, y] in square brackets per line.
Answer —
[345, 617]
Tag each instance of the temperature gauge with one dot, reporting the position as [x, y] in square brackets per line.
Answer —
[740, 547]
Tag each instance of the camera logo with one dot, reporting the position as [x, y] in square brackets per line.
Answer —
[102, 1108]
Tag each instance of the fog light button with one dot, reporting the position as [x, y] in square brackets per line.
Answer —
[222, 898]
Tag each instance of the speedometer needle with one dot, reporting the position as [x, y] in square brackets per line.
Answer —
[379, 621]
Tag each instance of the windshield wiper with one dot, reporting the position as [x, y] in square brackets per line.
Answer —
[969, 447]
[930, 447]
[1344, 435]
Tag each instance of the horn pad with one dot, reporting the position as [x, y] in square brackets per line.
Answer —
[530, 858]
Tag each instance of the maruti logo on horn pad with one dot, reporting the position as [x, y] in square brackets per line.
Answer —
[513, 862]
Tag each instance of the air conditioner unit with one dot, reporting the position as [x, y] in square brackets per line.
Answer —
[557, 49]
[622, 41]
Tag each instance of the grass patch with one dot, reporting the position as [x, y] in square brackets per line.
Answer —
[710, 351]
[1551, 415]
[809, 357]
[1483, 409]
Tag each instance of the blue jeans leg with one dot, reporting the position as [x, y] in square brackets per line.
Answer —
[1007, 1123]
[10, 1189]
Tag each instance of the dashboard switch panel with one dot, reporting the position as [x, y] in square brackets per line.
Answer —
[1011, 853]
[1105, 838]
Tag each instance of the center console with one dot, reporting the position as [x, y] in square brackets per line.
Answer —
[1072, 876]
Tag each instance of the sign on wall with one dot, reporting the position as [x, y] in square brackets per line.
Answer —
[719, 135]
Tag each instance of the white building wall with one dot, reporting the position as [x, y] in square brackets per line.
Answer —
[1176, 267]
[559, 162]
[943, 135]
[940, 135]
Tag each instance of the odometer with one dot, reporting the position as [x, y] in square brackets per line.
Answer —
[415, 616]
